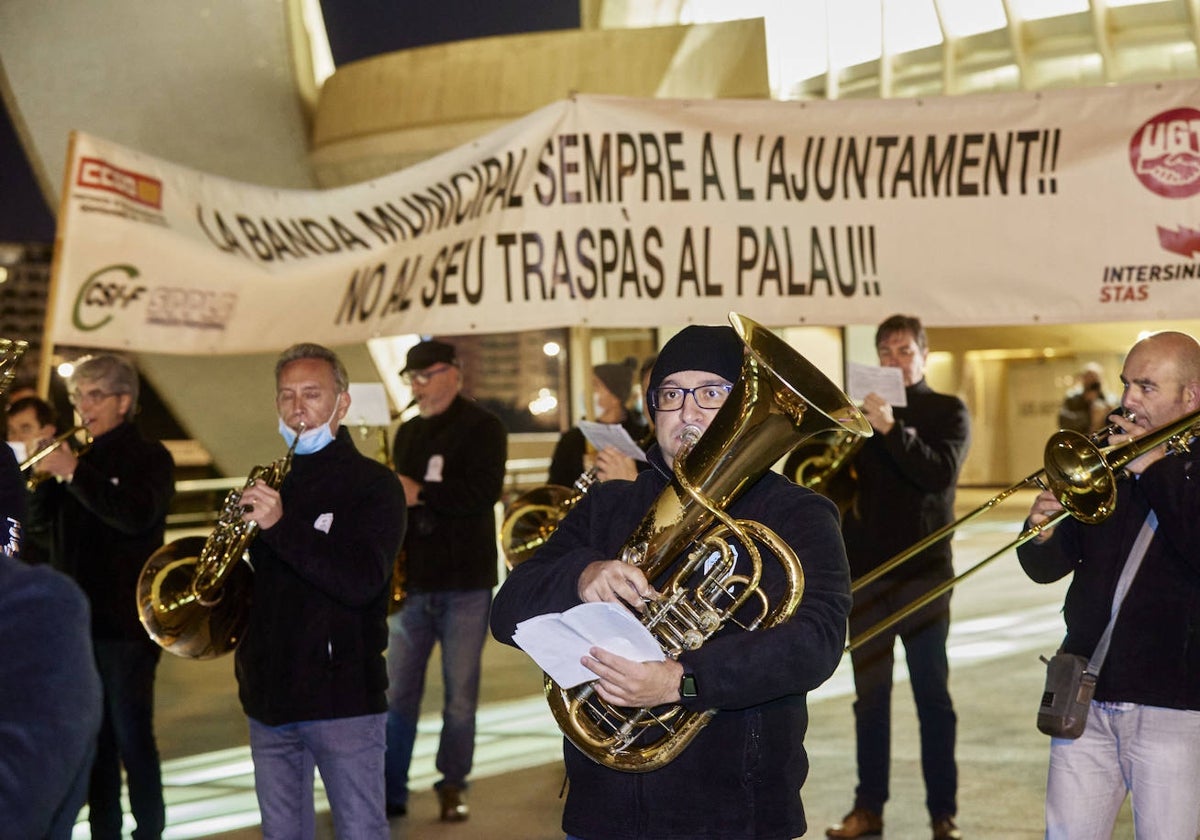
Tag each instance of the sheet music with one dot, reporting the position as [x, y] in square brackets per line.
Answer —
[887, 382]
[601, 435]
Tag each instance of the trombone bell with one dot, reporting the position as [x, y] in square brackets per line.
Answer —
[1079, 476]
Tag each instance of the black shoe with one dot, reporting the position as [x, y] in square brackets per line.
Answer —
[396, 810]
[945, 829]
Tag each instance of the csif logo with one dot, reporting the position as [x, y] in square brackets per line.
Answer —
[1165, 153]
[108, 288]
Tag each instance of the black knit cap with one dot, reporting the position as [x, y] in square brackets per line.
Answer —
[427, 354]
[617, 377]
[713, 349]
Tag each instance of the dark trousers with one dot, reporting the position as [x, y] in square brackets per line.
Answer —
[924, 636]
[127, 738]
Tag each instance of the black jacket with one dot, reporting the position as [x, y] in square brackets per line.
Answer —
[741, 776]
[460, 457]
[1154, 655]
[318, 625]
[106, 523]
[906, 484]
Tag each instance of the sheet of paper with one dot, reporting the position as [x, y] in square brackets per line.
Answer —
[601, 435]
[557, 641]
[887, 382]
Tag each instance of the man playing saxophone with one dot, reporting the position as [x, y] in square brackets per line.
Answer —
[310, 669]
[740, 776]
[1142, 736]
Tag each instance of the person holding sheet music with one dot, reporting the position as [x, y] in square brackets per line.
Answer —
[612, 383]
[906, 478]
[741, 775]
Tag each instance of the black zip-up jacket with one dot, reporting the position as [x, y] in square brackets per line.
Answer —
[460, 457]
[906, 484]
[314, 649]
[106, 523]
[1154, 656]
[741, 776]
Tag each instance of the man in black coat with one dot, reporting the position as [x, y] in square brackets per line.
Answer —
[104, 511]
[451, 460]
[310, 668]
[740, 777]
[907, 474]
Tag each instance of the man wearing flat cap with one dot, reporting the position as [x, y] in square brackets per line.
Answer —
[451, 461]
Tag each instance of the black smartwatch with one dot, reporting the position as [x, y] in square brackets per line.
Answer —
[687, 685]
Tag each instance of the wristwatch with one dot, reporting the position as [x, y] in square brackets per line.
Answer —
[687, 685]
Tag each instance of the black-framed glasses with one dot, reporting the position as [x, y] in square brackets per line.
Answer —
[78, 397]
[423, 377]
[706, 396]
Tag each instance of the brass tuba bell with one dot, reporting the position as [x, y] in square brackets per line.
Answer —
[780, 399]
[193, 595]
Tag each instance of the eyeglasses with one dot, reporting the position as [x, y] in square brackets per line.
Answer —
[706, 396]
[90, 397]
[423, 377]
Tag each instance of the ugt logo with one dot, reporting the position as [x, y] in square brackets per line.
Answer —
[1165, 153]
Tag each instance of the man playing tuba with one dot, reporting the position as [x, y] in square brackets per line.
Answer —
[740, 776]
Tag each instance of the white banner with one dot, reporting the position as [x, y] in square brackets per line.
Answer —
[1059, 206]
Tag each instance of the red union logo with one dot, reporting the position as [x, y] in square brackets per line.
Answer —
[101, 175]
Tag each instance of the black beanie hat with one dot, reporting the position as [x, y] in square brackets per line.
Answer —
[617, 377]
[714, 349]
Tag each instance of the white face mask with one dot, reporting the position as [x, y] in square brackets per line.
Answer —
[597, 408]
[311, 440]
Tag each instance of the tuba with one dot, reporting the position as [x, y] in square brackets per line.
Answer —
[193, 595]
[765, 417]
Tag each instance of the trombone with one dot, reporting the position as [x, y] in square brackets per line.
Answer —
[1080, 472]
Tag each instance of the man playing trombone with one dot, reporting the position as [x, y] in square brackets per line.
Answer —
[1142, 734]
[907, 475]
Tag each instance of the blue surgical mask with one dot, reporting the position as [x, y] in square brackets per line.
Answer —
[311, 440]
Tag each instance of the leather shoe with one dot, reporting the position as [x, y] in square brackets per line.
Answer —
[858, 823]
[453, 802]
[945, 829]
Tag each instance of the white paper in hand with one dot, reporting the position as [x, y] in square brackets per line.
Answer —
[557, 641]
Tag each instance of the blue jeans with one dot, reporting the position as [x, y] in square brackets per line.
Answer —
[459, 620]
[1148, 751]
[924, 636]
[126, 738]
[349, 754]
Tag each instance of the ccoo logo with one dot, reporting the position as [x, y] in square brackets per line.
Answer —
[1165, 153]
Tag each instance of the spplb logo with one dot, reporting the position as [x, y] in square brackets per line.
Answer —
[1165, 153]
